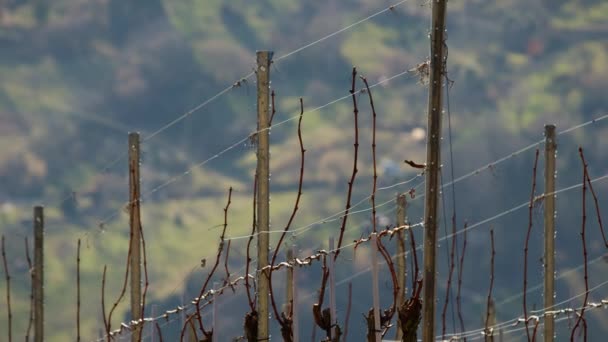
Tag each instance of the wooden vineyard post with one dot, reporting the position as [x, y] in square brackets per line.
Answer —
[549, 257]
[263, 195]
[135, 236]
[38, 274]
[433, 159]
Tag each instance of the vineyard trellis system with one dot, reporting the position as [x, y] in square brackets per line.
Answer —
[409, 313]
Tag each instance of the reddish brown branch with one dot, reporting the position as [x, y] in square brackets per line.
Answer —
[410, 312]
[373, 196]
[489, 301]
[147, 282]
[448, 288]
[354, 173]
[415, 260]
[387, 315]
[460, 271]
[536, 323]
[160, 334]
[189, 323]
[106, 321]
[414, 164]
[584, 243]
[226, 259]
[30, 269]
[530, 213]
[595, 200]
[8, 293]
[584, 320]
[220, 248]
[248, 261]
[124, 285]
[250, 325]
[322, 317]
[78, 292]
[285, 321]
[300, 182]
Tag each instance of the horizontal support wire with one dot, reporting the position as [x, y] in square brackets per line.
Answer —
[300, 262]
[457, 180]
[102, 222]
[309, 259]
[238, 81]
[535, 315]
[477, 224]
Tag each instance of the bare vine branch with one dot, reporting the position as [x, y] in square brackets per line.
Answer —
[248, 261]
[450, 274]
[373, 195]
[146, 280]
[286, 320]
[460, 270]
[489, 332]
[530, 213]
[595, 200]
[124, 284]
[8, 293]
[106, 321]
[220, 249]
[584, 243]
[30, 269]
[354, 173]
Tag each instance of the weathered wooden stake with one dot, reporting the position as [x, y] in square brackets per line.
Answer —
[433, 160]
[264, 59]
[289, 285]
[294, 302]
[549, 257]
[215, 306]
[135, 238]
[38, 274]
[401, 259]
[375, 289]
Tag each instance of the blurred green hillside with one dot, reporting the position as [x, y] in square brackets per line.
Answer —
[77, 75]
